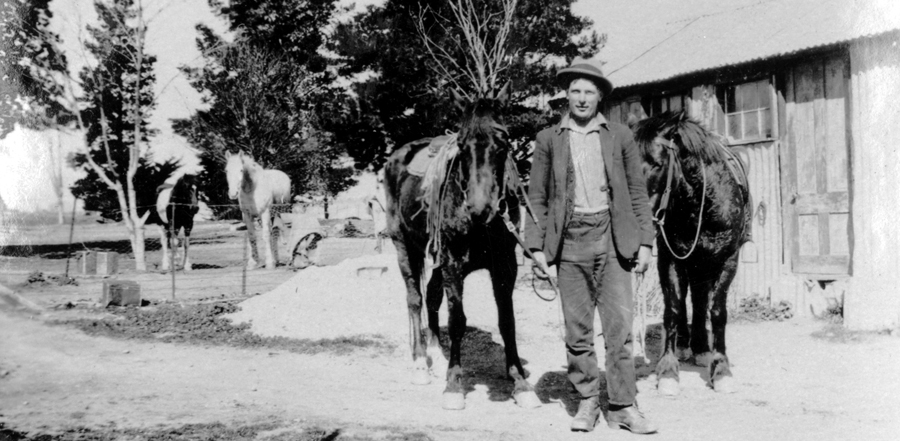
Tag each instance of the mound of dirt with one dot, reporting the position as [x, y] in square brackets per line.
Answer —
[364, 296]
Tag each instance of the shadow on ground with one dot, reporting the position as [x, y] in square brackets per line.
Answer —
[483, 362]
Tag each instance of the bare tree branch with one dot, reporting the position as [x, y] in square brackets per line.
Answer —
[486, 50]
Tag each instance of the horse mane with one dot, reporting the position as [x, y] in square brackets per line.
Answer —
[480, 121]
[695, 139]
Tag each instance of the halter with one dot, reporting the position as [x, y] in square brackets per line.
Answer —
[664, 203]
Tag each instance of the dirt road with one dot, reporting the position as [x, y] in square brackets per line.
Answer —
[796, 380]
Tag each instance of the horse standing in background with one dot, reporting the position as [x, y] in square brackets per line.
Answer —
[461, 224]
[701, 203]
[176, 206]
[256, 189]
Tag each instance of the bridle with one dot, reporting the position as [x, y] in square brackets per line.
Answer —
[664, 202]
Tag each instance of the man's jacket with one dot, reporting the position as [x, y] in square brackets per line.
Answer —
[552, 189]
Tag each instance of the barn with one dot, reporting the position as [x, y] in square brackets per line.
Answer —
[805, 91]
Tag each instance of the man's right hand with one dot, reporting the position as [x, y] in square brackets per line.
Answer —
[539, 265]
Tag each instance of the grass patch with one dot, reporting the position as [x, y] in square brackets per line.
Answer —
[203, 324]
[756, 308]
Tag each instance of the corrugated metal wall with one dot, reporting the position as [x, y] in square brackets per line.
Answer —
[761, 259]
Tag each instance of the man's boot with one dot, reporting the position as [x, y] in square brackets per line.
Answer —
[586, 417]
[632, 419]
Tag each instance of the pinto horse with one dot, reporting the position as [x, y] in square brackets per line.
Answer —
[256, 189]
[463, 226]
[701, 203]
[176, 206]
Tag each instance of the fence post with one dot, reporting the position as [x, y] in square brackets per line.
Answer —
[71, 234]
[170, 244]
[244, 263]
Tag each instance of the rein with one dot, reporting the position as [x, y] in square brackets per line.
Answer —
[664, 203]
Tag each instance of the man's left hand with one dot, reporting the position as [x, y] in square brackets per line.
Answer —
[643, 259]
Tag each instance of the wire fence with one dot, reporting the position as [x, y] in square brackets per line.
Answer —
[84, 253]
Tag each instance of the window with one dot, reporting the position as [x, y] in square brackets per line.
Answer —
[659, 104]
[748, 111]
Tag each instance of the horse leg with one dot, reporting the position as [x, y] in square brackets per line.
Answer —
[267, 238]
[164, 243]
[720, 368]
[410, 262]
[251, 238]
[454, 398]
[503, 278]
[683, 343]
[701, 284]
[673, 281]
[434, 296]
[187, 243]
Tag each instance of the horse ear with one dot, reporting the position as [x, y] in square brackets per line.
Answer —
[459, 100]
[503, 94]
[227, 154]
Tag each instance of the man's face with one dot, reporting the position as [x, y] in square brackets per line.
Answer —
[583, 98]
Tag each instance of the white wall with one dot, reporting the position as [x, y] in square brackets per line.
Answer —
[873, 298]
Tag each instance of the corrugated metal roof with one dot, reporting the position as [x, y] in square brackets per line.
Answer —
[762, 30]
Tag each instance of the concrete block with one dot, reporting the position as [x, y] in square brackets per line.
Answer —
[87, 262]
[107, 263]
[121, 293]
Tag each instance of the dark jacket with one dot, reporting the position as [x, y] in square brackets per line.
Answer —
[552, 188]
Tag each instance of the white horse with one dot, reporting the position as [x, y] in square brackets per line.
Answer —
[256, 189]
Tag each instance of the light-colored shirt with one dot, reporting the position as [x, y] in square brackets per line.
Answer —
[590, 173]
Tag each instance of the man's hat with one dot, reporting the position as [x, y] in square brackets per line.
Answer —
[581, 68]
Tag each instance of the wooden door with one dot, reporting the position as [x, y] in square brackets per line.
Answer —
[815, 167]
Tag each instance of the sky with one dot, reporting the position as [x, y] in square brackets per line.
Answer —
[24, 164]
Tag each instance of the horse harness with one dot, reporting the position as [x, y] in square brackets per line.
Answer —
[664, 202]
[735, 166]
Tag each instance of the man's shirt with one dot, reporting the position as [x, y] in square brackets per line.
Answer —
[590, 173]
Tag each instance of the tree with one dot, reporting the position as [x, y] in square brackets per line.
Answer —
[30, 65]
[407, 95]
[115, 107]
[267, 94]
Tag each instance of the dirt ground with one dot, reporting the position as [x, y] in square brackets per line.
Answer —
[797, 379]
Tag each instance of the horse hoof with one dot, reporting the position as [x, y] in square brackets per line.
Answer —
[453, 401]
[668, 387]
[703, 359]
[724, 385]
[527, 400]
[420, 377]
[439, 365]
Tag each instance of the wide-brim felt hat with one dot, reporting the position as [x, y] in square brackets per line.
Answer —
[581, 68]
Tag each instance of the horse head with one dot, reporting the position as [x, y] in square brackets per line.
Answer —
[483, 146]
[659, 140]
[185, 190]
[234, 172]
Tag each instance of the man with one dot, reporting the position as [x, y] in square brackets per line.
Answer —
[594, 223]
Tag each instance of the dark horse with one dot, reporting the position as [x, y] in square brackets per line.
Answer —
[176, 205]
[468, 233]
[701, 202]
